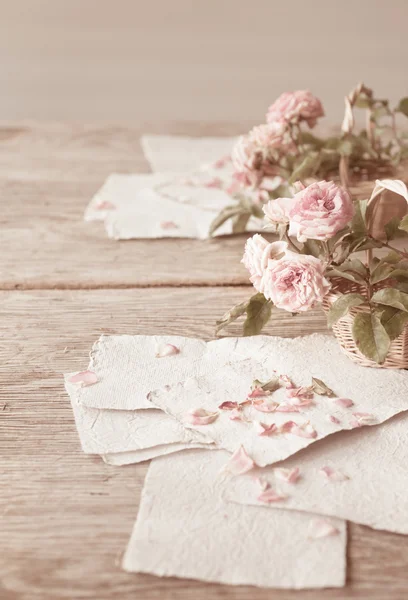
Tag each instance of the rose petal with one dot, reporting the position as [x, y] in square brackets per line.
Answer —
[304, 431]
[263, 483]
[287, 382]
[240, 462]
[168, 225]
[288, 475]
[269, 496]
[264, 429]
[200, 416]
[167, 350]
[228, 405]
[258, 392]
[333, 475]
[361, 419]
[343, 402]
[236, 415]
[321, 528]
[300, 392]
[334, 419]
[265, 407]
[84, 378]
[105, 205]
[287, 408]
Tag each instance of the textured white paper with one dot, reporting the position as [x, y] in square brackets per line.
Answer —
[380, 392]
[185, 529]
[374, 459]
[122, 191]
[127, 369]
[183, 153]
[136, 456]
[112, 431]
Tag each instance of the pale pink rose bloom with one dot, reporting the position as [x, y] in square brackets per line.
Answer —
[316, 213]
[254, 155]
[295, 282]
[292, 107]
[257, 253]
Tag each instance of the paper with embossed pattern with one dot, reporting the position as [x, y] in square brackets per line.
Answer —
[380, 393]
[185, 529]
[374, 492]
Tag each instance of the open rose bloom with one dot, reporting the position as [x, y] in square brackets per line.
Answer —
[293, 107]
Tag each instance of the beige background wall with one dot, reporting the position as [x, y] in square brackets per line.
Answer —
[124, 60]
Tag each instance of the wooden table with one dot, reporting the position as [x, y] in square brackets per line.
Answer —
[66, 517]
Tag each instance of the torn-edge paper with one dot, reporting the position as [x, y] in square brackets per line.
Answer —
[359, 475]
[376, 394]
[185, 529]
[112, 431]
[184, 153]
[120, 459]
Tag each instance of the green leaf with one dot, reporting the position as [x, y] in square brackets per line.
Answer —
[313, 248]
[342, 305]
[306, 168]
[404, 224]
[308, 138]
[352, 269]
[345, 147]
[392, 227]
[394, 321]
[227, 213]
[358, 224]
[391, 297]
[371, 337]
[403, 106]
[258, 314]
[320, 388]
[232, 315]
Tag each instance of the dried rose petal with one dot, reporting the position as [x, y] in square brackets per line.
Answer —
[287, 382]
[258, 392]
[263, 483]
[301, 401]
[344, 402]
[304, 431]
[167, 350]
[228, 405]
[236, 415]
[321, 528]
[216, 182]
[240, 462]
[334, 419]
[288, 475]
[301, 392]
[221, 162]
[361, 419]
[265, 407]
[105, 205]
[269, 496]
[168, 225]
[332, 474]
[84, 378]
[200, 416]
[286, 408]
[264, 429]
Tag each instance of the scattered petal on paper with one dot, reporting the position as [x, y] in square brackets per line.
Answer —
[84, 378]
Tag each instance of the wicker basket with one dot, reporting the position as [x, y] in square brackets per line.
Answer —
[397, 357]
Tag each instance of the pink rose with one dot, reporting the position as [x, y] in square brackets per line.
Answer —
[317, 212]
[255, 155]
[294, 282]
[292, 107]
[257, 253]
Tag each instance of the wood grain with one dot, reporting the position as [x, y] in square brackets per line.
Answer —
[49, 173]
[66, 517]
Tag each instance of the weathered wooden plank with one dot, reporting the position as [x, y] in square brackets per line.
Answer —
[48, 175]
[66, 517]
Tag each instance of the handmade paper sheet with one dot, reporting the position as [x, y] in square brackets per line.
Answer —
[128, 368]
[183, 153]
[375, 396]
[136, 456]
[185, 529]
[367, 483]
[112, 431]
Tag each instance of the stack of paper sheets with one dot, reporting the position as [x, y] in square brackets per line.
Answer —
[189, 186]
[278, 524]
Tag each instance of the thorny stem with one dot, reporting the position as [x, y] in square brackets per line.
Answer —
[291, 243]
